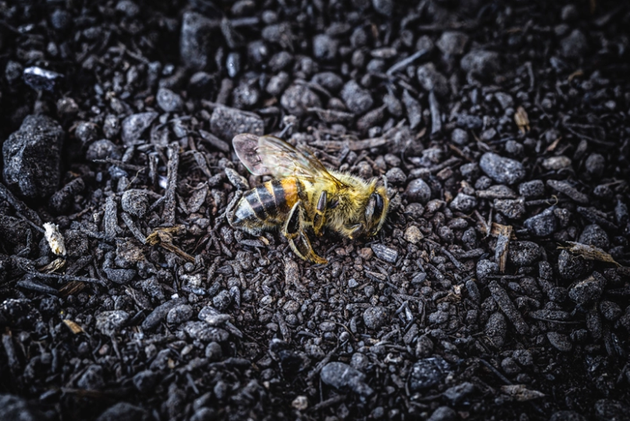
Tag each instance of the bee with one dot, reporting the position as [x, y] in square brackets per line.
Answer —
[303, 196]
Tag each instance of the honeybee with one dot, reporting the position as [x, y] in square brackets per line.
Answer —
[303, 195]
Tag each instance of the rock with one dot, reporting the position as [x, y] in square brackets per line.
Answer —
[214, 352]
[179, 314]
[395, 175]
[342, 376]
[375, 317]
[594, 235]
[610, 310]
[329, 80]
[574, 45]
[470, 122]
[145, 381]
[567, 189]
[486, 268]
[123, 411]
[278, 83]
[496, 330]
[588, 290]
[459, 136]
[611, 410]
[543, 224]
[443, 413]
[385, 253]
[103, 149]
[169, 101]
[524, 253]
[463, 203]
[555, 163]
[512, 209]
[32, 157]
[452, 43]
[135, 125]
[195, 41]
[357, 99]
[325, 47]
[41, 79]
[228, 122]
[481, 63]
[505, 100]
[92, 378]
[384, 7]
[457, 394]
[15, 408]
[427, 373]
[222, 300]
[418, 191]
[570, 266]
[502, 298]
[86, 132]
[109, 322]
[533, 188]
[566, 416]
[413, 234]
[595, 165]
[159, 313]
[560, 341]
[432, 80]
[135, 202]
[502, 170]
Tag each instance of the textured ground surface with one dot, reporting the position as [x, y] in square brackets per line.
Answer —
[498, 288]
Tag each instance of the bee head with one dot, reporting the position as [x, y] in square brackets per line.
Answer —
[376, 210]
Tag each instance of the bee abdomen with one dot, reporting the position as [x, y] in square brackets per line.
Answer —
[266, 204]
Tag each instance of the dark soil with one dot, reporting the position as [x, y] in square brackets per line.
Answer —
[497, 290]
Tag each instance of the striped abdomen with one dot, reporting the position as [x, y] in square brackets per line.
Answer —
[267, 205]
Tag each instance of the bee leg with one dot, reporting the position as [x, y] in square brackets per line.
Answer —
[320, 210]
[352, 231]
[293, 229]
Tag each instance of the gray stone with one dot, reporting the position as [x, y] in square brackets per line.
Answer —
[463, 203]
[375, 317]
[452, 43]
[502, 170]
[135, 125]
[109, 322]
[432, 80]
[342, 376]
[418, 191]
[428, 373]
[195, 41]
[481, 63]
[588, 290]
[124, 411]
[543, 224]
[16, 408]
[226, 123]
[169, 101]
[357, 99]
[32, 157]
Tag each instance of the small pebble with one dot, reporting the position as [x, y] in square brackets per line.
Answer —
[385, 253]
[543, 224]
[502, 170]
[341, 376]
[375, 317]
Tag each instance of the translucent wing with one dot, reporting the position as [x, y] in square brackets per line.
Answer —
[284, 160]
[246, 148]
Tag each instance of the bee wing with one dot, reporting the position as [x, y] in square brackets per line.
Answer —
[246, 148]
[284, 160]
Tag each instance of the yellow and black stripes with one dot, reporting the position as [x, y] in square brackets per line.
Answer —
[268, 204]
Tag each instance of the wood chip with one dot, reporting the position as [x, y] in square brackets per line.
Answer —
[75, 328]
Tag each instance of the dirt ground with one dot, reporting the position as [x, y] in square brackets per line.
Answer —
[498, 288]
